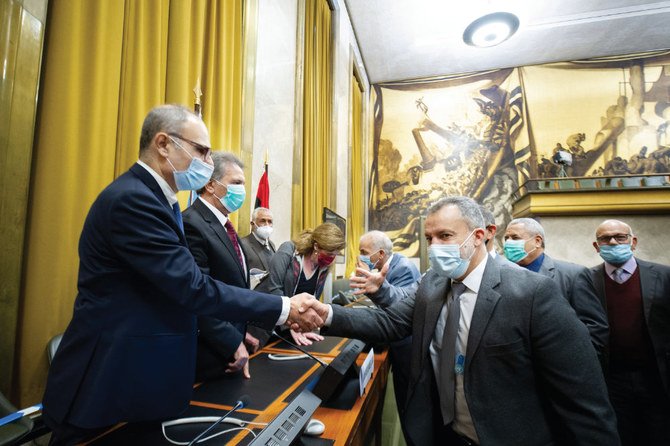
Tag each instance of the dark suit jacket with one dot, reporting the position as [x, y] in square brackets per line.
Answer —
[129, 352]
[526, 351]
[258, 256]
[214, 253]
[655, 281]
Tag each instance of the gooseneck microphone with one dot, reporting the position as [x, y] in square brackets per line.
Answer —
[242, 402]
[321, 362]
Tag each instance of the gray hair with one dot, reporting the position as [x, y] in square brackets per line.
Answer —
[169, 118]
[257, 211]
[379, 241]
[532, 226]
[469, 208]
[221, 162]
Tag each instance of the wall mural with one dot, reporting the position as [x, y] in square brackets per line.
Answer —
[485, 134]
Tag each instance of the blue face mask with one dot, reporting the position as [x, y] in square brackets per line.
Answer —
[368, 261]
[515, 250]
[195, 177]
[447, 259]
[616, 254]
[234, 197]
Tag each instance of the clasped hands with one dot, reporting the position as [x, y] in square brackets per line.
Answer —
[306, 313]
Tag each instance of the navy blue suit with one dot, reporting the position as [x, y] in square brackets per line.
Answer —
[129, 351]
[214, 253]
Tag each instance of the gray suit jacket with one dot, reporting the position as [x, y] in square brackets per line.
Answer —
[258, 256]
[527, 352]
[655, 281]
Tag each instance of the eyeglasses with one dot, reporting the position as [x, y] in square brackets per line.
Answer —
[204, 151]
[620, 238]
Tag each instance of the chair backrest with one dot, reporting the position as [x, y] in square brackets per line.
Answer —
[10, 433]
[52, 346]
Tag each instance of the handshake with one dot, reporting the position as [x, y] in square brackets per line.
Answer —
[306, 313]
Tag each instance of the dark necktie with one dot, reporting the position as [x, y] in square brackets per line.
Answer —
[177, 216]
[232, 235]
[447, 382]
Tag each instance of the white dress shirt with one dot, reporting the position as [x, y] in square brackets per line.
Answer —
[462, 419]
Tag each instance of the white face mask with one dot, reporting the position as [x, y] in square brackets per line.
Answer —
[264, 232]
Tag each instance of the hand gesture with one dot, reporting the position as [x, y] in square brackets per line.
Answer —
[305, 338]
[241, 361]
[251, 342]
[367, 282]
[303, 316]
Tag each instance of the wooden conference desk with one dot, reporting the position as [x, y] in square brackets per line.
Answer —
[272, 386]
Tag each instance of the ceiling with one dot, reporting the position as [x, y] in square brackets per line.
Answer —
[414, 39]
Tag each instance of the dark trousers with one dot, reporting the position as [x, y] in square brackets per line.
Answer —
[642, 407]
[67, 435]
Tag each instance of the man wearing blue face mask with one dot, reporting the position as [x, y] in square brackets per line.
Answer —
[524, 245]
[496, 358]
[128, 354]
[635, 295]
[213, 241]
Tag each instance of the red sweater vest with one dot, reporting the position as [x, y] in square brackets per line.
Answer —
[630, 345]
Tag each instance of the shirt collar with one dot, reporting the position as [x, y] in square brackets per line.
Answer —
[629, 266]
[260, 240]
[474, 280]
[170, 195]
[217, 213]
[536, 264]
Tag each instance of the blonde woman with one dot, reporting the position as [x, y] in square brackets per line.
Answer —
[302, 265]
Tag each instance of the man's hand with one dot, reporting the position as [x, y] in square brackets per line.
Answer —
[241, 361]
[366, 282]
[251, 342]
[305, 338]
[305, 315]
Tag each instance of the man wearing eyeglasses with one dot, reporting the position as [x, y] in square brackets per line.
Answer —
[128, 353]
[635, 295]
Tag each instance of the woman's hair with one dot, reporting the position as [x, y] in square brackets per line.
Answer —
[327, 236]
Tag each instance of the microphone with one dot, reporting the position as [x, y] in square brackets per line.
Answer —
[242, 402]
[321, 362]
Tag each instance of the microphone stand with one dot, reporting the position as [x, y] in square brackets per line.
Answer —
[321, 362]
[240, 404]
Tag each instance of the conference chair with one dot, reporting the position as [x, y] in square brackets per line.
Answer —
[12, 433]
[52, 346]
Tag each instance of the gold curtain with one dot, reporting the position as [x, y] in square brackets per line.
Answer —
[356, 220]
[106, 65]
[316, 178]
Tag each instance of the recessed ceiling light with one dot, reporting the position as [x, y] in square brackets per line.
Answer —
[491, 29]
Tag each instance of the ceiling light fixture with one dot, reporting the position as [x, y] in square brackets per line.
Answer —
[491, 29]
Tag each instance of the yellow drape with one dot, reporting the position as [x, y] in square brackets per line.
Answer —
[317, 102]
[106, 64]
[356, 220]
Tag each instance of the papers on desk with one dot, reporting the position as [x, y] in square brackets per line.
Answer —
[255, 277]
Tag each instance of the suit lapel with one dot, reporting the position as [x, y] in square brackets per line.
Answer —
[547, 267]
[598, 277]
[216, 226]
[649, 280]
[435, 291]
[487, 299]
[152, 184]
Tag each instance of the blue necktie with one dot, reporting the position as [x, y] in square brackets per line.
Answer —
[177, 216]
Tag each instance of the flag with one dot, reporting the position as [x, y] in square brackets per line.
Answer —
[263, 193]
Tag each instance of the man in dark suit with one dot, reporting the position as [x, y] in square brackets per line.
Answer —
[257, 245]
[524, 245]
[128, 353]
[494, 352]
[635, 295]
[215, 246]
